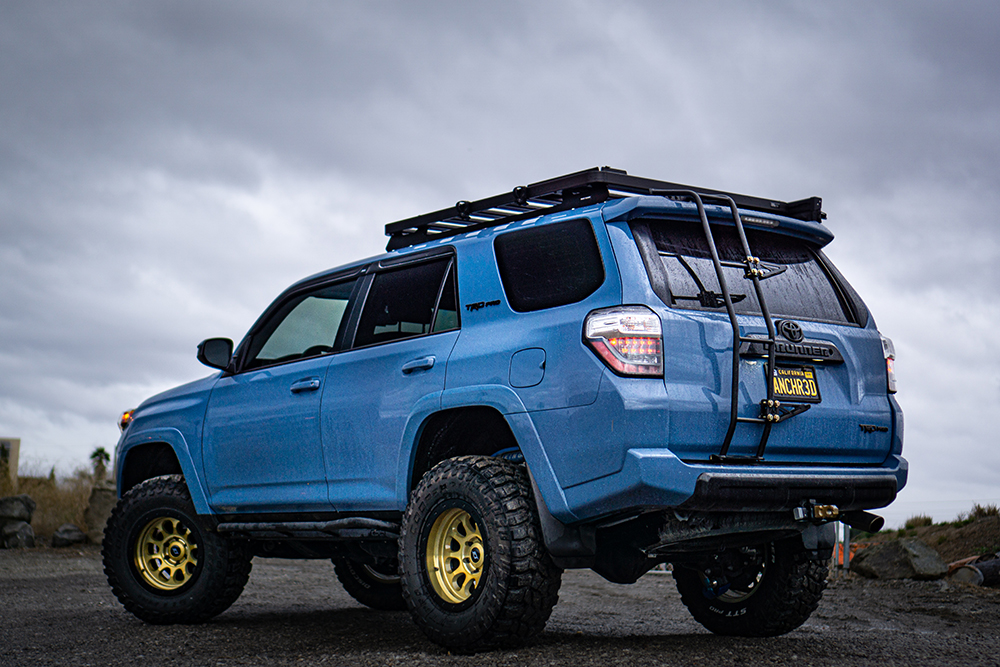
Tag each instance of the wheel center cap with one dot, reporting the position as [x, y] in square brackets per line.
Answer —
[176, 551]
[475, 555]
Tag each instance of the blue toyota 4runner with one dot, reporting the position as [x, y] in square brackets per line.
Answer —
[595, 371]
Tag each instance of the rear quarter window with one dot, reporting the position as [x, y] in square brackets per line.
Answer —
[548, 266]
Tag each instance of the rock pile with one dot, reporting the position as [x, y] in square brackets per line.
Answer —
[15, 525]
[102, 500]
[899, 559]
[67, 535]
[15, 522]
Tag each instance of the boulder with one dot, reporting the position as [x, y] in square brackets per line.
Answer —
[990, 570]
[16, 508]
[899, 559]
[102, 500]
[17, 535]
[67, 535]
[966, 574]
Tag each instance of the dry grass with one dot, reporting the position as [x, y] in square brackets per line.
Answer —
[972, 533]
[982, 511]
[918, 521]
[6, 488]
[58, 501]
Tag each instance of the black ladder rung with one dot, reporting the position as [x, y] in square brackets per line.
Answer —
[765, 341]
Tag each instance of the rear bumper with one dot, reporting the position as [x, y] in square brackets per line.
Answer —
[743, 491]
[657, 479]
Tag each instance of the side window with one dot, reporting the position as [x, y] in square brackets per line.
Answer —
[548, 266]
[447, 311]
[305, 326]
[403, 303]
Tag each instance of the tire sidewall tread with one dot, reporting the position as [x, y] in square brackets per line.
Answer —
[223, 565]
[789, 593]
[520, 585]
[367, 590]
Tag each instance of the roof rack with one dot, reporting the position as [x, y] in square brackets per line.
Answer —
[580, 188]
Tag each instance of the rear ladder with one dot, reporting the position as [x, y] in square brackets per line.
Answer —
[771, 411]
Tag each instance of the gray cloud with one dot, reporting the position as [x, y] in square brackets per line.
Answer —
[167, 168]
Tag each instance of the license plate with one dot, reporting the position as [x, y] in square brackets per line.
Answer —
[796, 384]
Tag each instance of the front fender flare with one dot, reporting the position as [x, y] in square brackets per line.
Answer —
[176, 441]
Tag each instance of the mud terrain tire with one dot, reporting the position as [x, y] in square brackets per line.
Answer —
[788, 591]
[163, 564]
[474, 569]
[375, 586]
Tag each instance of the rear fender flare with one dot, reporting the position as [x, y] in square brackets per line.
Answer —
[507, 403]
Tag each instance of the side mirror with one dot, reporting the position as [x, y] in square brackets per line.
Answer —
[216, 352]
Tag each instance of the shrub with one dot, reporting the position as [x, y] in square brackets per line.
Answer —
[983, 511]
[919, 521]
[6, 483]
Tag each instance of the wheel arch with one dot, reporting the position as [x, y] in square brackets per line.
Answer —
[512, 427]
[159, 452]
[469, 430]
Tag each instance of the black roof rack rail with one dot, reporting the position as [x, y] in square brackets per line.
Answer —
[580, 188]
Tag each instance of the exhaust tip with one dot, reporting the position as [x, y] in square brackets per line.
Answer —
[866, 521]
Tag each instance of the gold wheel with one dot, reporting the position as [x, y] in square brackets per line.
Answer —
[455, 555]
[165, 554]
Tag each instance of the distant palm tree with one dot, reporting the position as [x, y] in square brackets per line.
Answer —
[100, 458]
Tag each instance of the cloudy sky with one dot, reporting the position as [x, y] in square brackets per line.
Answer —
[166, 168]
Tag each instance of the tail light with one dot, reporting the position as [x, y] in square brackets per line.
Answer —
[889, 350]
[626, 338]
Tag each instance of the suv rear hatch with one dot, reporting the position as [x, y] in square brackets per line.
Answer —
[829, 373]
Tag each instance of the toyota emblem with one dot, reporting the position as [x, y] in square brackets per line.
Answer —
[790, 330]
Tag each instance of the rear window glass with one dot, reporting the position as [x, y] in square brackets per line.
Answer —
[798, 286]
[548, 266]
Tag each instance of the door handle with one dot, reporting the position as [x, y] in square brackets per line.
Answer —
[422, 364]
[305, 384]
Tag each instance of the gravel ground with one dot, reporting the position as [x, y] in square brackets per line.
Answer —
[56, 609]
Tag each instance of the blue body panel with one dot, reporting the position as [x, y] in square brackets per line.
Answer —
[367, 404]
[596, 443]
[263, 450]
[175, 418]
[571, 374]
